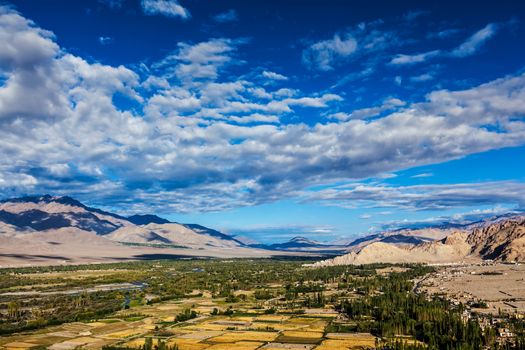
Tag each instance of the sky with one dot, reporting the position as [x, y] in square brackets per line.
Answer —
[267, 119]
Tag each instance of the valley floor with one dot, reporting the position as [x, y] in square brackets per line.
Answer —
[65, 253]
[500, 286]
[250, 304]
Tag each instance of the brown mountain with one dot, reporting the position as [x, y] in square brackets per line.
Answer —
[501, 240]
[51, 229]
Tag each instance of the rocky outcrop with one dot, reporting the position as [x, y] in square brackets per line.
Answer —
[501, 240]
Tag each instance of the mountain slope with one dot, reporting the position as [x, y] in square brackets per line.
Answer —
[502, 239]
[56, 230]
[173, 234]
[211, 232]
[47, 213]
[450, 249]
[404, 237]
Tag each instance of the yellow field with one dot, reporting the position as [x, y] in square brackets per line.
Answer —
[347, 341]
[273, 318]
[251, 330]
[231, 337]
[242, 345]
[135, 343]
[305, 320]
[275, 326]
[188, 344]
[207, 326]
[201, 335]
[19, 345]
[301, 334]
[126, 333]
[287, 346]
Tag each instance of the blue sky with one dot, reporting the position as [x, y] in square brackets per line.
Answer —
[267, 119]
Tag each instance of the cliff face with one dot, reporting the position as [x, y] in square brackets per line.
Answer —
[503, 240]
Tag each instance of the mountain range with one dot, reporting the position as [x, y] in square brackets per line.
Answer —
[51, 229]
[499, 239]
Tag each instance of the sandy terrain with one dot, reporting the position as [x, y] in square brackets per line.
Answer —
[502, 286]
[175, 233]
[73, 246]
[453, 249]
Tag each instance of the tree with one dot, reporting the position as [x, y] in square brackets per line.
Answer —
[13, 310]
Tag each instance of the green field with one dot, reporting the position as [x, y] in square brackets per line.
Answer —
[228, 304]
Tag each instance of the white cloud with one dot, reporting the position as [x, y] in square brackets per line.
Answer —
[273, 75]
[467, 48]
[27, 60]
[323, 54]
[422, 175]
[13, 180]
[210, 142]
[104, 40]
[366, 38]
[59, 169]
[422, 77]
[424, 197]
[255, 118]
[464, 218]
[388, 105]
[472, 44]
[199, 61]
[402, 59]
[168, 8]
[360, 75]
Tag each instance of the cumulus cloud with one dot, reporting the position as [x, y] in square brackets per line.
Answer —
[322, 55]
[388, 105]
[14, 180]
[168, 8]
[365, 38]
[207, 141]
[27, 60]
[273, 76]
[200, 61]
